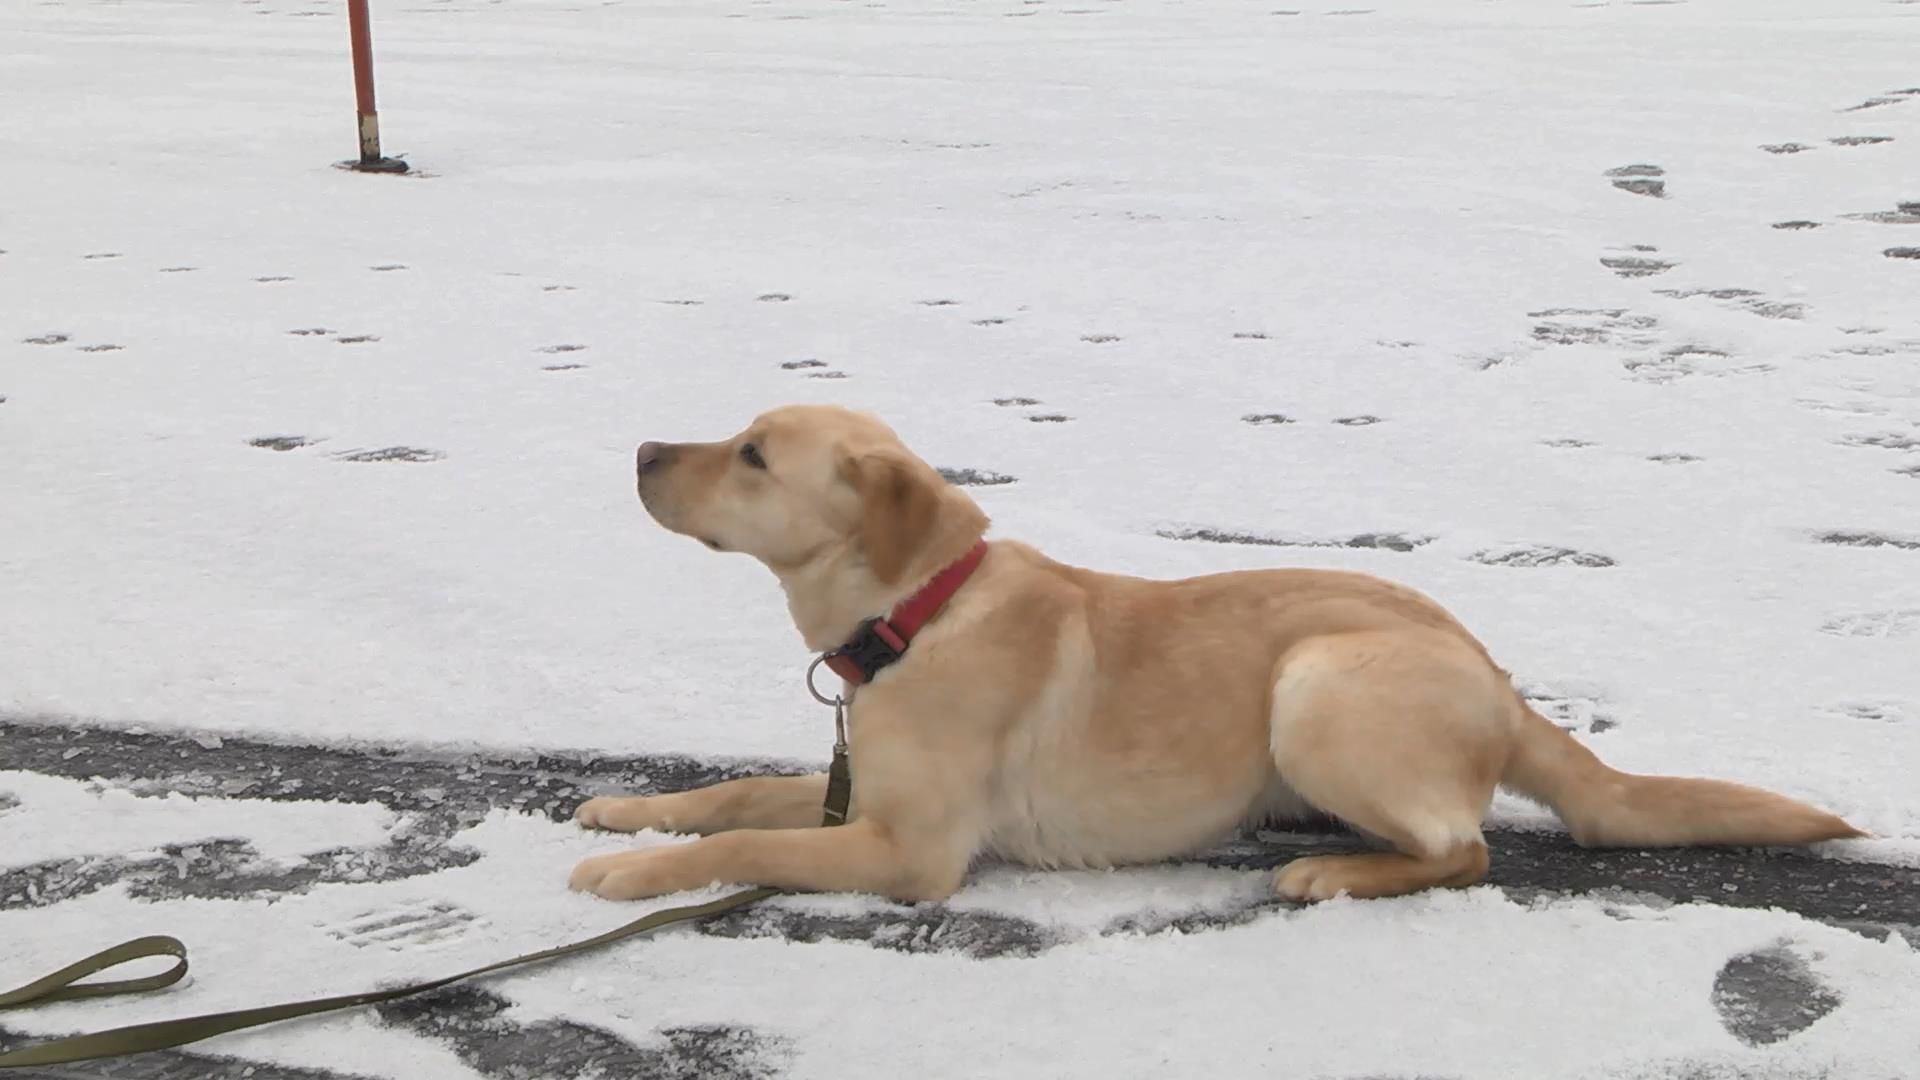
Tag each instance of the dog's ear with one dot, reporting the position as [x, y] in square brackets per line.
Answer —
[898, 505]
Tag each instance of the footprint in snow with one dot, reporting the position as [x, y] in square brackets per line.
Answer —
[1891, 97]
[390, 453]
[1635, 266]
[1099, 339]
[281, 443]
[1903, 213]
[1640, 180]
[1860, 140]
[975, 477]
[1786, 148]
[102, 255]
[273, 279]
[1015, 402]
[47, 339]
[1391, 541]
[1883, 440]
[1538, 555]
[814, 369]
[1796, 225]
[387, 268]
[1902, 623]
[1869, 540]
[560, 348]
[409, 925]
[1882, 712]
[356, 339]
[1593, 326]
[101, 348]
[1744, 299]
[1266, 419]
[178, 269]
[1575, 708]
[773, 298]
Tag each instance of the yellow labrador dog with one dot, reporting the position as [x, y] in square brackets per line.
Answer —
[1061, 717]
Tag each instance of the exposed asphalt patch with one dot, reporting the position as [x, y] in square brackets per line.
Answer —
[480, 1029]
[1769, 995]
[227, 869]
[168, 1065]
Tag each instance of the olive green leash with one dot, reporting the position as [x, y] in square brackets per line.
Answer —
[65, 984]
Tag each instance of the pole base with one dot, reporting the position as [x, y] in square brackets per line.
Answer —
[377, 165]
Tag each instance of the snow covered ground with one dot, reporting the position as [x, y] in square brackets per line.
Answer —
[1598, 321]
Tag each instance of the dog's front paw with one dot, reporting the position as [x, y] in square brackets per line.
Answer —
[1310, 879]
[634, 875]
[632, 814]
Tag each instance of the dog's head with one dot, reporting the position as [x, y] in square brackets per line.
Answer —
[805, 486]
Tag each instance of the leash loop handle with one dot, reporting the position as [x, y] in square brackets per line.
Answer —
[164, 1034]
[65, 984]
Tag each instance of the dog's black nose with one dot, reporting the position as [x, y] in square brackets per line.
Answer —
[650, 456]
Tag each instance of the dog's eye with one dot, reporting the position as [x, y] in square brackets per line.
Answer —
[750, 454]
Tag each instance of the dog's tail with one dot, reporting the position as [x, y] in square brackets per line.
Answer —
[1604, 807]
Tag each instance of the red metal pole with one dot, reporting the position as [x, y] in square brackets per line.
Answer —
[360, 26]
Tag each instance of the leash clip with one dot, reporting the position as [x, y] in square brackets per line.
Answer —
[838, 704]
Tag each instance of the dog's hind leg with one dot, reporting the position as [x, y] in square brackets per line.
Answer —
[1402, 734]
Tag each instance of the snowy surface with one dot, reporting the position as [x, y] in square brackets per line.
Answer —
[1078, 243]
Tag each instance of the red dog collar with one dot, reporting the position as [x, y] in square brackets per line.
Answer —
[882, 640]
